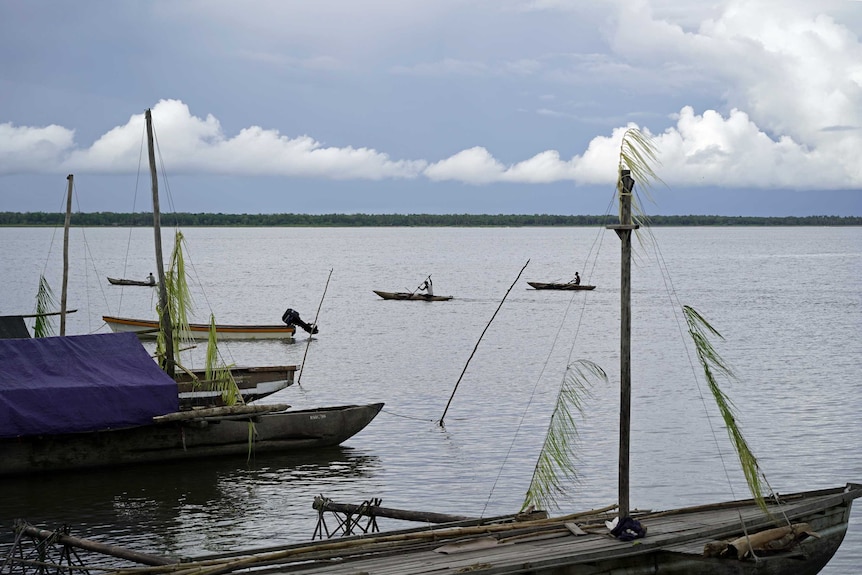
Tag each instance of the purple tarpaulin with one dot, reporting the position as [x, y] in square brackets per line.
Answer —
[80, 383]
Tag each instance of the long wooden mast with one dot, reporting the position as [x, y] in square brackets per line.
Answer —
[624, 231]
[160, 268]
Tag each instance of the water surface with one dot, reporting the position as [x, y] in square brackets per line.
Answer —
[787, 301]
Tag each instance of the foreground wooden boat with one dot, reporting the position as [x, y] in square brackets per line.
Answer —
[412, 296]
[703, 540]
[148, 329]
[680, 542]
[561, 286]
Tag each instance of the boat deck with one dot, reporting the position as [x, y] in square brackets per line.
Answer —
[551, 546]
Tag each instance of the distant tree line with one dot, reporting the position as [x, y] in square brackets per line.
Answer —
[143, 219]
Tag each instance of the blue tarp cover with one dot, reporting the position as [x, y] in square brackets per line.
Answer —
[80, 383]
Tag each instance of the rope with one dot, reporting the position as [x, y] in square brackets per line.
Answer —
[599, 236]
[676, 306]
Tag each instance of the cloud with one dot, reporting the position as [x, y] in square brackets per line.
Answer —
[193, 145]
[28, 149]
[699, 150]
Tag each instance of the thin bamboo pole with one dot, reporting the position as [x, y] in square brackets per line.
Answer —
[448, 403]
[65, 290]
[313, 325]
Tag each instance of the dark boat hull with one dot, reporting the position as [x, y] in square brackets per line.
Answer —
[187, 439]
[560, 286]
[412, 296]
[125, 282]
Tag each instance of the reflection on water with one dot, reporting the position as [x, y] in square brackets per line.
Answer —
[182, 508]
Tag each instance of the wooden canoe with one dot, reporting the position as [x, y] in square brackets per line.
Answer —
[125, 282]
[147, 329]
[412, 296]
[579, 544]
[561, 286]
[189, 438]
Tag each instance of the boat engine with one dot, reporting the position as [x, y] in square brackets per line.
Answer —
[291, 317]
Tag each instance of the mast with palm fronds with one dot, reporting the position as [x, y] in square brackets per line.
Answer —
[164, 308]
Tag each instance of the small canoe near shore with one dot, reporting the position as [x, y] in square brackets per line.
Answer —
[148, 329]
[561, 286]
[412, 296]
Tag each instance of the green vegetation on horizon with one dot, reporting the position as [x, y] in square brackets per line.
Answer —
[143, 219]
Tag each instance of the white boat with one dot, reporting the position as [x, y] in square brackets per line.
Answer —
[148, 329]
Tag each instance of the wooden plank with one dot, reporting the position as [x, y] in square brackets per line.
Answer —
[228, 410]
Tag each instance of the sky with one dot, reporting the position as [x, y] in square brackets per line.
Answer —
[443, 106]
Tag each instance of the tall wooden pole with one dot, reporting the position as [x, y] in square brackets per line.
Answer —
[64, 292]
[624, 231]
[160, 267]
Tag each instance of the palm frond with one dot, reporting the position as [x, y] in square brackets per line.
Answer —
[179, 301]
[45, 303]
[700, 331]
[555, 468]
[252, 431]
[218, 375]
[179, 296]
[638, 154]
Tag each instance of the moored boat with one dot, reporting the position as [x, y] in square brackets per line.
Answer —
[148, 329]
[77, 402]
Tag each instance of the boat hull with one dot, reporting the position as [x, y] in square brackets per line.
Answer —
[148, 329]
[126, 282]
[412, 296]
[187, 439]
[674, 543]
[254, 383]
[561, 286]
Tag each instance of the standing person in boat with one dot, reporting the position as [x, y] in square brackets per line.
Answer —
[427, 287]
[577, 279]
[151, 280]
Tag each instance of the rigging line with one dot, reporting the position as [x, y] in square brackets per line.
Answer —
[187, 256]
[62, 210]
[88, 257]
[598, 239]
[186, 250]
[313, 324]
[480, 341]
[675, 305]
[392, 413]
[134, 205]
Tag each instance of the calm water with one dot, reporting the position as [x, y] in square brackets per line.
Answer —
[787, 301]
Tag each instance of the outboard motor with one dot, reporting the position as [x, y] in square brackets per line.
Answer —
[291, 317]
